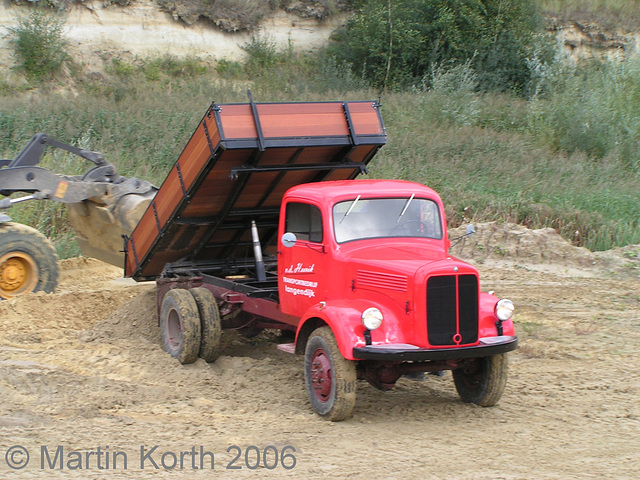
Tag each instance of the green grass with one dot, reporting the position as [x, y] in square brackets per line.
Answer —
[488, 155]
[497, 173]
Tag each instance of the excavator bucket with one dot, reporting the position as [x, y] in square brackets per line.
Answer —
[101, 222]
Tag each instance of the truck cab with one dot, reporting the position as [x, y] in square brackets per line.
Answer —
[367, 260]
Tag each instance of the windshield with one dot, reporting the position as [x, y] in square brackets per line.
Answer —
[386, 217]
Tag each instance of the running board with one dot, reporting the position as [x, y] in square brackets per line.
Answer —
[287, 347]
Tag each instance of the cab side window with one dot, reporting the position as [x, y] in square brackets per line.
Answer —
[305, 221]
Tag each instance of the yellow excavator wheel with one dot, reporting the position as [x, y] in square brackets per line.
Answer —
[18, 274]
[28, 261]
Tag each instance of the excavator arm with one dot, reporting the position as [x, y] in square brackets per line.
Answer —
[102, 207]
[23, 175]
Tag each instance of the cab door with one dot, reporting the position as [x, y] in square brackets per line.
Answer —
[301, 267]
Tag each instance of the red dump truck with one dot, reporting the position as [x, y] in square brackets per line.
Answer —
[262, 224]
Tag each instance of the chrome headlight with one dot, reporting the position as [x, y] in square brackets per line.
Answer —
[371, 318]
[504, 309]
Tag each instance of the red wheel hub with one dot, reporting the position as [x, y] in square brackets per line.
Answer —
[321, 375]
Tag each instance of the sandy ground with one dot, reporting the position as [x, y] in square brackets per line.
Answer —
[83, 369]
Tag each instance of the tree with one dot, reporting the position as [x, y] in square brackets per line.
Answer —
[394, 43]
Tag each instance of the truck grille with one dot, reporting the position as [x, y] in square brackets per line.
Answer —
[452, 319]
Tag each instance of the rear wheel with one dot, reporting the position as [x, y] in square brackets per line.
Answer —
[28, 261]
[180, 325]
[329, 377]
[209, 323]
[482, 381]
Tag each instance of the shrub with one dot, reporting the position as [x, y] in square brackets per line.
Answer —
[156, 68]
[39, 45]
[261, 55]
[272, 69]
[591, 108]
[120, 67]
[449, 95]
[396, 43]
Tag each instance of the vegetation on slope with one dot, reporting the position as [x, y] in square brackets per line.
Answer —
[396, 44]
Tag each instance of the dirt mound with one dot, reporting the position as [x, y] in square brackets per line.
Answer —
[495, 241]
[542, 249]
[136, 318]
[622, 261]
[88, 291]
[86, 272]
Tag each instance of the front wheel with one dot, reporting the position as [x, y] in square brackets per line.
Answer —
[28, 261]
[482, 381]
[329, 377]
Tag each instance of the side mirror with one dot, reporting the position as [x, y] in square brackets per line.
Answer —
[470, 230]
[289, 239]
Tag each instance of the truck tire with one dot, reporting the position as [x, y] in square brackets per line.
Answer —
[28, 261]
[329, 377]
[482, 381]
[180, 326]
[210, 325]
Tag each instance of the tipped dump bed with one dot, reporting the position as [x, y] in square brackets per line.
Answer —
[236, 168]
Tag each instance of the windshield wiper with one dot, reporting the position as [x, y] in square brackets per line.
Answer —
[406, 205]
[350, 208]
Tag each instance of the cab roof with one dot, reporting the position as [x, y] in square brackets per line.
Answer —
[342, 190]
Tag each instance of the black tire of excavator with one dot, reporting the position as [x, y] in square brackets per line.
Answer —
[28, 261]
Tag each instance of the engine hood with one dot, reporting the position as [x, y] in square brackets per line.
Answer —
[393, 275]
[407, 260]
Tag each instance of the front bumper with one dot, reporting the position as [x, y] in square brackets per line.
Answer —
[410, 353]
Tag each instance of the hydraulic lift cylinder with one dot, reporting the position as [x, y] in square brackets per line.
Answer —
[257, 252]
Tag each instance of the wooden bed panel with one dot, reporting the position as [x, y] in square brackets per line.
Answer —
[365, 119]
[302, 120]
[194, 157]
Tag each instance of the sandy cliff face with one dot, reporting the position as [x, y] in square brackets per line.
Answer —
[587, 40]
[141, 28]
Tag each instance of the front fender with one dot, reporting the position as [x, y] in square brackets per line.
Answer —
[345, 320]
[488, 318]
